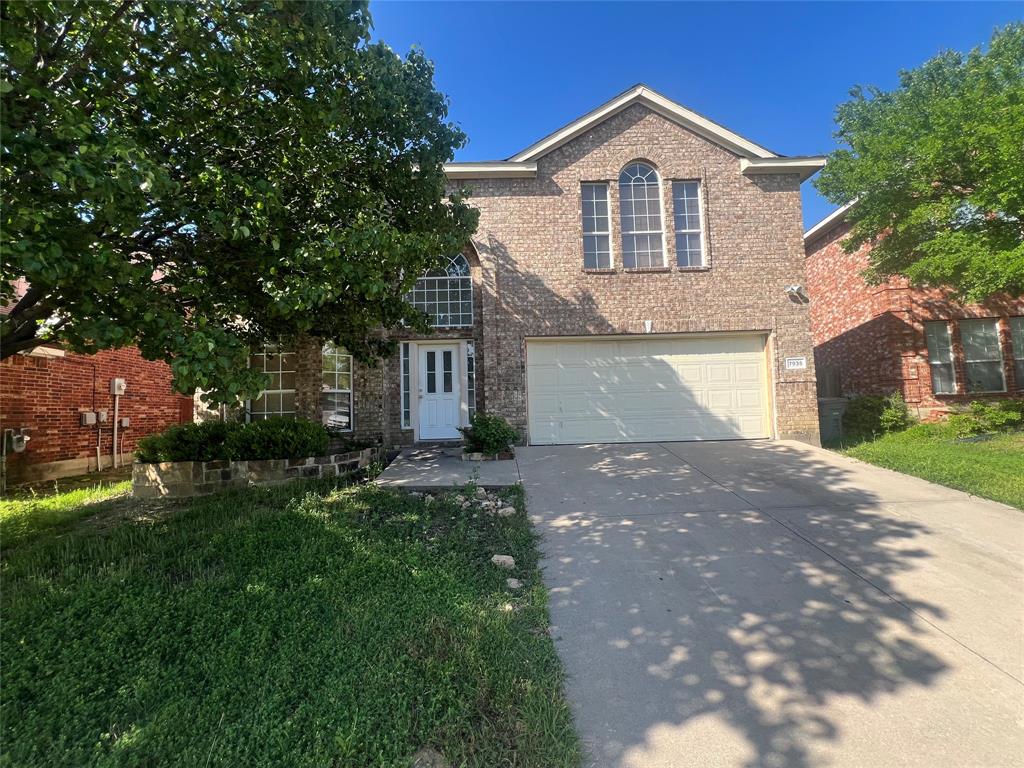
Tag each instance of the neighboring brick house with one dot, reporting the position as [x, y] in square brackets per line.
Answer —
[635, 276]
[45, 393]
[877, 339]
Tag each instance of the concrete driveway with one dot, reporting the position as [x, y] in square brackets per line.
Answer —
[772, 604]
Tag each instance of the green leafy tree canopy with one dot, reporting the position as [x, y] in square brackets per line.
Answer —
[202, 178]
[937, 169]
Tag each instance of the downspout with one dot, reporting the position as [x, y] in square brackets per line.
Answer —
[115, 459]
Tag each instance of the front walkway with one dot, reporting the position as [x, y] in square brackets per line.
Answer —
[739, 604]
[426, 469]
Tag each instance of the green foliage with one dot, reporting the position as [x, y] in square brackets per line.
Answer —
[23, 519]
[276, 438]
[200, 179]
[937, 171]
[299, 625]
[867, 416]
[993, 469]
[488, 434]
[981, 418]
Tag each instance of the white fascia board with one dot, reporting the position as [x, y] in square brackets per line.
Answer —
[828, 221]
[641, 94]
[496, 169]
[805, 166]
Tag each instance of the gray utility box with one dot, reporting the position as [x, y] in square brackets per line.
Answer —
[830, 418]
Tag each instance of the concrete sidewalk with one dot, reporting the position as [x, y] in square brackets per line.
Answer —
[743, 604]
[426, 469]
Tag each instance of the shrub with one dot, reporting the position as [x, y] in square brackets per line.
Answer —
[895, 416]
[278, 438]
[207, 441]
[488, 434]
[870, 415]
[980, 418]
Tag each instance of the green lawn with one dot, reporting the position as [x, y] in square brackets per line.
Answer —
[304, 625]
[22, 519]
[992, 468]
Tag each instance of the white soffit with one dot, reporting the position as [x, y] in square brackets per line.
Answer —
[641, 94]
[495, 169]
[805, 166]
[828, 221]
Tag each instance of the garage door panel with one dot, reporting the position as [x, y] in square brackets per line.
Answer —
[650, 389]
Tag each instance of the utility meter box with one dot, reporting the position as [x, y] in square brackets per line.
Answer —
[125, 421]
[117, 386]
[101, 416]
[87, 418]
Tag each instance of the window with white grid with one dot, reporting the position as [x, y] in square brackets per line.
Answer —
[446, 295]
[643, 240]
[471, 379]
[983, 357]
[1017, 339]
[278, 399]
[336, 389]
[406, 388]
[940, 357]
[597, 235]
[686, 211]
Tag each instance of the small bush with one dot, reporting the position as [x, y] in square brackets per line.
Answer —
[278, 439]
[980, 418]
[488, 434]
[895, 416]
[211, 440]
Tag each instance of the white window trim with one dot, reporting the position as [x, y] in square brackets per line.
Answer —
[468, 277]
[248, 403]
[999, 359]
[661, 215]
[608, 232]
[700, 224]
[334, 391]
[405, 384]
[1017, 343]
[464, 345]
[951, 361]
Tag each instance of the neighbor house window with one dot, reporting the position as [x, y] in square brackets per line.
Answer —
[446, 294]
[940, 357]
[278, 399]
[1017, 336]
[597, 236]
[406, 397]
[643, 241]
[983, 359]
[336, 389]
[689, 239]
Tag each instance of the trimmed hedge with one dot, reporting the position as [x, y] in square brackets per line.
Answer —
[276, 438]
[488, 434]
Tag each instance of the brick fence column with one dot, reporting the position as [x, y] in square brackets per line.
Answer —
[308, 377]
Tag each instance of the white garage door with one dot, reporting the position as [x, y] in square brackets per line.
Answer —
[644, 390]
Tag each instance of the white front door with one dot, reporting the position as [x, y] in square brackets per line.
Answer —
[440, 400]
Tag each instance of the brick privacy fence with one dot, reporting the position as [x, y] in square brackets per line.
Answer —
[180, 479]
[45, 395]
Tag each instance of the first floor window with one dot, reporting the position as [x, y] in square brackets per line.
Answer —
[597, 235]
[336, 389]
[1017, 337]
[471, 379]
[406, 397]
[983, 359]
[686, 211]
[278, 399]
[940, 357]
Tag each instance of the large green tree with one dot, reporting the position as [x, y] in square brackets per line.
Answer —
[199, 178]
[937, 169]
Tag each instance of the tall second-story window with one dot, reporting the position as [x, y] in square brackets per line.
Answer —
[597, 234]
[689, 238]
[446, 294]
[643, 240]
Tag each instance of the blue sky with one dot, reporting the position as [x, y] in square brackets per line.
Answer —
[774, 72]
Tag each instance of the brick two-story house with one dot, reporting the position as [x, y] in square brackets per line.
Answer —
[636, 275]
[877, 339]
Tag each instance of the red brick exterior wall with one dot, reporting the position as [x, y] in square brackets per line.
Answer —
[530, 279]
[872, 337]
[47, 394]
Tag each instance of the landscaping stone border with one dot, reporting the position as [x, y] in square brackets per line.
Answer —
[180, 479]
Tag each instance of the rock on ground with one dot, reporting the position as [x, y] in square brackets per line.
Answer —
[504, 561]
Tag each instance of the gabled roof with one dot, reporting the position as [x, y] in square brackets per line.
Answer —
[755, 159]
[825, 224]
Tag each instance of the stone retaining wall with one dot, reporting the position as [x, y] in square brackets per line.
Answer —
[180, 479]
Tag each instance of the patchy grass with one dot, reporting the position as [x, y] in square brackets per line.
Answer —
[992, 467]
[22, 519]
[304, 625]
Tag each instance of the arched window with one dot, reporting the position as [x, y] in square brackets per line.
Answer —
[446, 294]
[643, 241]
